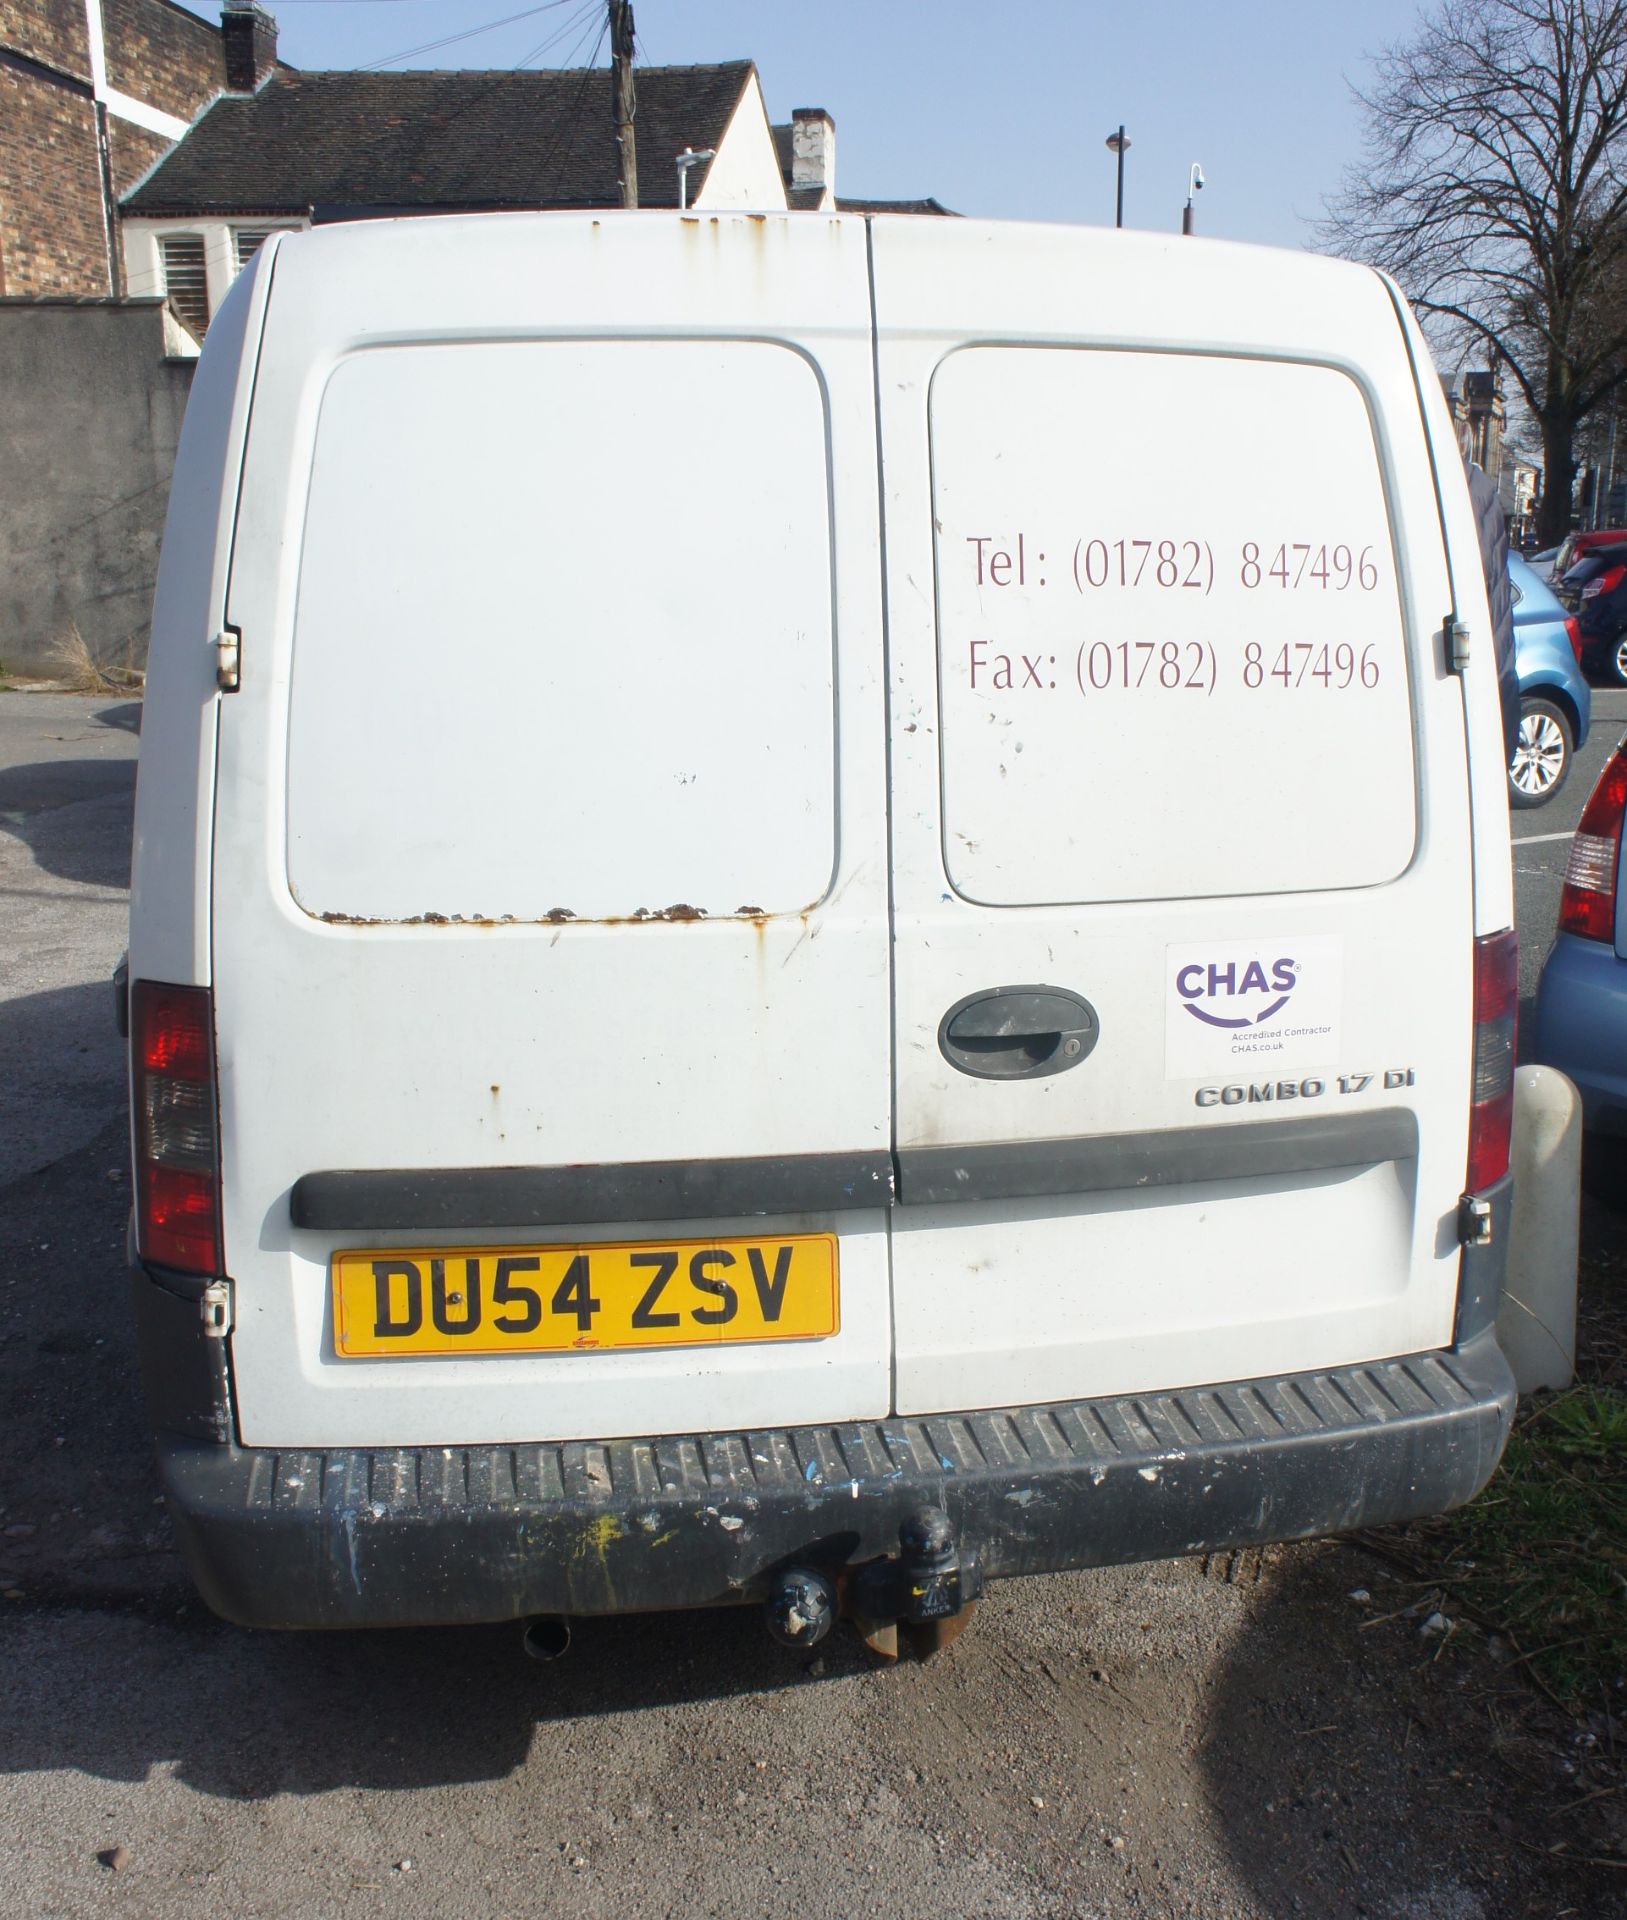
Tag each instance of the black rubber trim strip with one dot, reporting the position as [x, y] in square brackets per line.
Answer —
[398, 1536]
[1180, 1156]
[185, 1371]
[1484, 1268]
[478, 1197]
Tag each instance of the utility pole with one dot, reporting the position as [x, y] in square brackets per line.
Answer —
[622, 97]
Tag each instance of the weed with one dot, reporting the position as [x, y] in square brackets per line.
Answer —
[79, 671]
[1541, 1556]
[1543, 1552]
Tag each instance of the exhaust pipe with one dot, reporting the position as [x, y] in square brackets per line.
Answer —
[547, 1637]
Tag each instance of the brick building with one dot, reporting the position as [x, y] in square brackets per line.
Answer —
[92, 92]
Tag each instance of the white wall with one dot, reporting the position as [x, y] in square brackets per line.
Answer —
[143, 264]
[746, 172]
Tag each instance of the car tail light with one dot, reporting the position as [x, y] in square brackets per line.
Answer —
[172, 1091]
[1573, 633]
[1607, 582]
[1587, 905]
[1496, 1005]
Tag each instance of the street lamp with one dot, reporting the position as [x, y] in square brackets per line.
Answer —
[690, 157]
[1194, 184]
[1119, 143]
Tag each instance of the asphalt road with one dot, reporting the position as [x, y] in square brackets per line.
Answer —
[1268, 1735]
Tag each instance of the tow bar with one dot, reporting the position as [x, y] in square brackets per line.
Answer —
[929, 1587]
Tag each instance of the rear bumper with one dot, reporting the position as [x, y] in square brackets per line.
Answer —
[463, 1534]
[1581, 1026]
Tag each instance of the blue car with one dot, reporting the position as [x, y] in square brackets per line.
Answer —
[1555, 705]
[1581, 1019]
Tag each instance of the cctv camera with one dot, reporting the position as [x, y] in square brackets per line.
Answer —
[1197, 178]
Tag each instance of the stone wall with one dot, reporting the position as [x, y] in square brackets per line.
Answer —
[53, 238]
[90, 413]
[131, 151]
[161, 55]
[54, 31]
[52, 228]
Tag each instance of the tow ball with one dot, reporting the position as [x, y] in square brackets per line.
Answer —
[930, 1588]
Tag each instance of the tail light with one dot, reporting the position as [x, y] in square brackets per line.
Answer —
[1573, 633]
[1496, 1005]
[1587, 905]
[1607, 582]
[172, 1091]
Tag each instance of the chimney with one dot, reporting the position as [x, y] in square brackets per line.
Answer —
[813, 150]
[249, 36]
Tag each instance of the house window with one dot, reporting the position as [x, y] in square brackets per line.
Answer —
[185, 281]
[248, 241]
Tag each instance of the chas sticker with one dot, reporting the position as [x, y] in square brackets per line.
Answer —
[1273, 1003]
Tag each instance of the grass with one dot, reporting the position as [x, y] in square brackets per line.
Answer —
[77, 670]
[1542, 1554]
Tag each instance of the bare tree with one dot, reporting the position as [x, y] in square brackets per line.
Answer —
[1494, 189]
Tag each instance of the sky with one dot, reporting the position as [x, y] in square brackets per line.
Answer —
[997, 110]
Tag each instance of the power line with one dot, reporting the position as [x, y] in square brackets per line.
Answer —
[568, 124]
[468, 33]
[586, 12]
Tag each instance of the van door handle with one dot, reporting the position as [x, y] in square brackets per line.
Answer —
[1018, 1033]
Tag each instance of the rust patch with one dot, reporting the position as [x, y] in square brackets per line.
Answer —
[679, 913]
[417, 920]
[644, 916]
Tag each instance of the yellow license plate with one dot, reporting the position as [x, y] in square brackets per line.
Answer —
[586, 1297]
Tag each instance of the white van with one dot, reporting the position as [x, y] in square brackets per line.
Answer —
[822, 911]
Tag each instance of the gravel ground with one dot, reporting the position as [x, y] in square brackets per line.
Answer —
[1262, 1736]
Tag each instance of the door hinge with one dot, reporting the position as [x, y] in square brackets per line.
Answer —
[1474, 1221]
[1457, 644]
[214, 1304]
[228, 659]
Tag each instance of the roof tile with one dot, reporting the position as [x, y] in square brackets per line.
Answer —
[439, 139]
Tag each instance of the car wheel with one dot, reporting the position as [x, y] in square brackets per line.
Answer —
[1542, 753]
[1617, 659]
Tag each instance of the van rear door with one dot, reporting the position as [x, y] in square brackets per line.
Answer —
[549, 906]
[1181, 827]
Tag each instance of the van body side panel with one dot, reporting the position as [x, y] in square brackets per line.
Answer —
[552, 816]
[1172, 577]
[175, 783]
[1488, 767]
